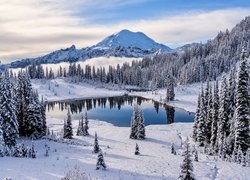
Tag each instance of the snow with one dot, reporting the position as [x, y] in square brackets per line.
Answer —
[154, 162]
[61, 89]
[127, 38]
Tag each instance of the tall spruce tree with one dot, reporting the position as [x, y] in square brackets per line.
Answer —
[137, 124]
[2, 143]
[242, 138]
[209, 116]
[68, 131]
[223, 123]
[96, 145]
[215, 118]
[197, 117]
[202, 120]
[187, 165]
[8, 112]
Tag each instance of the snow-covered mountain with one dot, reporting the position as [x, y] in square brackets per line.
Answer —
[123, 44]
[127, 39]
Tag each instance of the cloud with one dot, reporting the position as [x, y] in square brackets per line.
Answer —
[32, 28]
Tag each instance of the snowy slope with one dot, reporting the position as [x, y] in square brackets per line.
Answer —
[127, 38]
[154, 163]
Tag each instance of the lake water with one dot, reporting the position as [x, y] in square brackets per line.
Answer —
[118, 110]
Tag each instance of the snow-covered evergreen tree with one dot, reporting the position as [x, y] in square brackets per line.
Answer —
[201, 122]
[96, 145]
[8, 112]
[170, 89]
[187, 165]
[242, 138]
[137, 151]
[86, 124]
[196, 158]
[137, 124]
[209, 116]
[32, 152]
[68, 131]
[223, 123]
[215, 118]
[197, 117]
[100, 162]
[2, 143]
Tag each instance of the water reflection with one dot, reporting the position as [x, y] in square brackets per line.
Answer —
[118, 110]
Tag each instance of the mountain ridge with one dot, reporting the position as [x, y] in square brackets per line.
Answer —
[122, 44]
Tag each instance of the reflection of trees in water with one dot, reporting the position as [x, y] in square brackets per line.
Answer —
[156, 105]
[77, 106]
[170, 114]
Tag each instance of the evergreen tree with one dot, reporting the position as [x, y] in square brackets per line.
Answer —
[100, 162]
[202, 119]
[170, 89]
[8, 112]
[137, 124]
[187, 165]
[209, 116]
[196, 120]
[2, 143]
[68, 132]
[223, 123]
[137, 152]
[242, 138]
[86, 125]
[215, 118]
[96, 145]
[34, 119]
[173, 149]
[196, 158]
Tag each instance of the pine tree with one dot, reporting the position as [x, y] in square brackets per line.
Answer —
[223, 123]
[86, 125]
[8, 112]
[100, 162]
[202, 119]
[35, 127]
[209, 116]
[137, 124]
[170, 89]
[96, 145]
[187, 165]
[196, 120]
[137, 152]
[242, 138]
[196, 158]
[68, 132]
[215, 118]
[2, 143]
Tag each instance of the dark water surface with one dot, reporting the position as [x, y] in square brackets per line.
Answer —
[118, 110]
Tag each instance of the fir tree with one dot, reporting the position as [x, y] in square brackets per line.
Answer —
[202, 120]
[196, 158]
[173, 149]
[196, 120]
[137, 124]
[215, 118]
[209, 116]
[8, 112]
[96, 145]
[187, 165]
[242, 138]
[86, 125]
[137, 152]
[100, 162]
[2, 143]
[223, 123]
[68, 132]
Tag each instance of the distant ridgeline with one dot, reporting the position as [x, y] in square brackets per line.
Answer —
[191, 63]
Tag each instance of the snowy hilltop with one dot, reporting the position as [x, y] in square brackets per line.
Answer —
[123, 44]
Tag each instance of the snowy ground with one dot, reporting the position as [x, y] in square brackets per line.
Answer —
[155, 161]
[60, 89]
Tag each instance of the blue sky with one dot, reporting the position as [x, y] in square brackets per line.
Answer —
[32, 28]
[150, 9]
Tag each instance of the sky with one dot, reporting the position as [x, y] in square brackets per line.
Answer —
[33, 28]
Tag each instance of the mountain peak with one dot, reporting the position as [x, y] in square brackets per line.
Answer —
[127, 38]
